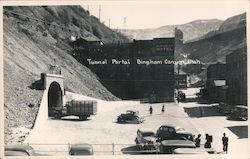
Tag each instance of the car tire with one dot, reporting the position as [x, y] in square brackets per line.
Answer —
[57, 115]
[82, 117]
[119, 120]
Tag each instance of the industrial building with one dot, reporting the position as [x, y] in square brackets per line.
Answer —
[236, 78]
[135, 70]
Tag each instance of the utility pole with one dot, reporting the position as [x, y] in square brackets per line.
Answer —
[124, 23]
[100, 13]
[178, 73]
[109, 22]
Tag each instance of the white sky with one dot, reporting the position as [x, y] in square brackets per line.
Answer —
[152, 14]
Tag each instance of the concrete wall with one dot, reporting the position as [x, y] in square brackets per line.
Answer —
[42, 115]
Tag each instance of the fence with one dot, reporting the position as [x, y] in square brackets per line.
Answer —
[98, 149]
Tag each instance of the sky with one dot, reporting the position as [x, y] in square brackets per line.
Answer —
[152, 14]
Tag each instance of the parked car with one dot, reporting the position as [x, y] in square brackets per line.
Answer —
[20, 150]
[81, 150]
[239, 113]
[168, 146]
[146, 140]
[224, 108]
[166, 132]
[130, 117]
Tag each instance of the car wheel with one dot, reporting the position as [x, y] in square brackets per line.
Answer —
[119, 120]
[57, 115]
[82, 118]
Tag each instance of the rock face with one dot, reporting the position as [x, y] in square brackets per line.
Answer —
[32, 46]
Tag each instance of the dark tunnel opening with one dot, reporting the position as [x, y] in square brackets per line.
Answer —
[54, 98]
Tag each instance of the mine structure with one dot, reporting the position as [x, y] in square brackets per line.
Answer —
[134, 70]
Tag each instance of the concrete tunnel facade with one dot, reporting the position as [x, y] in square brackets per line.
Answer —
[53, 96]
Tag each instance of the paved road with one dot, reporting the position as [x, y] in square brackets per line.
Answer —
[101, 130]
[206, 119]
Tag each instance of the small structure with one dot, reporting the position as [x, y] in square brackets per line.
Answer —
[216, 83]
[181, 81]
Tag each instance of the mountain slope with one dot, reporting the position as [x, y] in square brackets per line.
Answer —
[31, 47]
[214, 47]
[191, 30]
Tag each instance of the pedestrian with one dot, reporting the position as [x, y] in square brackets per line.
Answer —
[225, 142]
[208, 141]
[151, 110]
[198, 141]
[162, 109]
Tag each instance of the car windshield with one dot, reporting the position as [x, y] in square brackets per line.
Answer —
[167, 129]
[148, 134]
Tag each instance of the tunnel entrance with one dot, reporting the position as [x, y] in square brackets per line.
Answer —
[54, 98]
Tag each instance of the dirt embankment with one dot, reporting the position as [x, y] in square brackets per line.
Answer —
[32, 47]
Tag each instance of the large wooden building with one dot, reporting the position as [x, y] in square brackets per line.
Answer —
[236, 66]
[136, 70]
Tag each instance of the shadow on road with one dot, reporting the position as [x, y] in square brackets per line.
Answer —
[202, 111]
[240, 131]
[76, 120]
[203, 101]
[189, 100]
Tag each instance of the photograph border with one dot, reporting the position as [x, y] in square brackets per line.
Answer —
[96, 2]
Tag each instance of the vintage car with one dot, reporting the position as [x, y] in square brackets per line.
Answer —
[81, 150]
[146, 140]
[168, 146]
[239, 113]
[130, 117]
[224, 108]
[166, 132]
[20, 150]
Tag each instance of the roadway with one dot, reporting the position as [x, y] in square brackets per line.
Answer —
[102, 130]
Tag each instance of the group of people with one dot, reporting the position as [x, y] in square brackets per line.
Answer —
[209, 140]
[151, 109]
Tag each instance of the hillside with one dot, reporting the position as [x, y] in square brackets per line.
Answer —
[212, 48]
[191, 30]
[31, 46]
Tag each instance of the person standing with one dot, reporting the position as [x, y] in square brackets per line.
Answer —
[162, 109]
[198, 141]
[208, 141]
[225, 142]
[151, 110]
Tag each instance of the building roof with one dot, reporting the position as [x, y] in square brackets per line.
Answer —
[218, 83]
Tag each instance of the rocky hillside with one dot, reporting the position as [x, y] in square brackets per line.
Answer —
[191, 30]
[31, 46]
[214, 46]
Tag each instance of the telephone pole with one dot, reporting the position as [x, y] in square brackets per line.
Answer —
[100, 13]
[124, 23]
